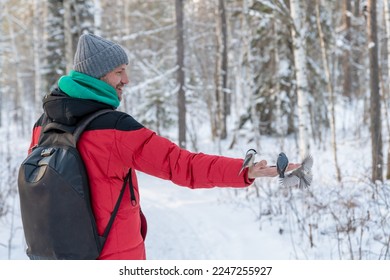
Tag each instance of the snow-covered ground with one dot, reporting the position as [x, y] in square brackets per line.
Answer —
[201, 224]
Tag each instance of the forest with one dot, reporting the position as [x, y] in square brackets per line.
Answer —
[300, 76]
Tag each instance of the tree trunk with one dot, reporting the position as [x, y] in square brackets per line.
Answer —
[55, 65]
[221, 72]
[18, 100]
[224, 68]
[78, 17]
[330, 91]
[1, 96]
[68, 34]
[1, 66]
[279, 112]
[37, 31]
[346, 61]
[375, 108]
[356, 53]
[97, 17]
[301, 74]
[181, 99]
[387, 18]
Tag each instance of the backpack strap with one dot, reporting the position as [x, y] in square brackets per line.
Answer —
[118, 202]
[69, 134]
[82, 124]
[76, 134]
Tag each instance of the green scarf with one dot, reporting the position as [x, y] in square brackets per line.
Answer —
[80, 85]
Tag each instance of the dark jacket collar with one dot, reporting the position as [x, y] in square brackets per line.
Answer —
[63, 109]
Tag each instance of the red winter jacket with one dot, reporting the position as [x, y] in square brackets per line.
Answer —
[115, 142]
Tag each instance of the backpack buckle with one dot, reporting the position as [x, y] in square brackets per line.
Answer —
[47, 152]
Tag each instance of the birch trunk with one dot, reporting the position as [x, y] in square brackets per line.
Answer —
[250, 86]
[97, 16]
[301, 74]
[19, 108]
[37, 39]
[329, 84]
[280, 122]
[243, 79]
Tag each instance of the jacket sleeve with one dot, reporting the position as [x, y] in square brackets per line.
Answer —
[155, 155]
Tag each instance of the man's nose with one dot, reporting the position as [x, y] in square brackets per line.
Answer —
[125, 79]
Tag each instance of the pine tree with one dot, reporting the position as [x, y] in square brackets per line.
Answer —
[55, 60]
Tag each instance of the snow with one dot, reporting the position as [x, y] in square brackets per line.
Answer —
[199, 224]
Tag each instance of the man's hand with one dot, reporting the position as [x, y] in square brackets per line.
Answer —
[261, 169]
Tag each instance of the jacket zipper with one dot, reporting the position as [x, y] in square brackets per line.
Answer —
[132, 194]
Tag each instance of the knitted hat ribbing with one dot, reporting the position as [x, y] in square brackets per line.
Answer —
[96, 56]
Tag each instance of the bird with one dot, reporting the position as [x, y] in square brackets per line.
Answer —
[302, 176]
[281, 164]
[249, 159]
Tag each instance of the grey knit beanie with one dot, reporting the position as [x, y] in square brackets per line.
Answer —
[96, 56]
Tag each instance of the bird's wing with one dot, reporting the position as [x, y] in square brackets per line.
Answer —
[306, 180]
[307, 163]
[247, 159]
[246, 162]
[290, 180]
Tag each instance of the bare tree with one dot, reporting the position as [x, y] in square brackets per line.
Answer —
[221, 72]
[181, 98]
[358, 52]
[68, 34]
[387, 19]
[346, 56]
[375, 100]
[297, 32]
[97, 16]
[17, 68]
[39, 14]
[329, 85]
[2, 47]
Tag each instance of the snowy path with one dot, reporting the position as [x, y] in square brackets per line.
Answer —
[195, 224]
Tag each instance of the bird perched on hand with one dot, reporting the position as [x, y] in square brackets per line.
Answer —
[249, 159]
[301, 176]
[281, 164]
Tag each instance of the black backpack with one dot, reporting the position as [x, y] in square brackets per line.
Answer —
[56, 211]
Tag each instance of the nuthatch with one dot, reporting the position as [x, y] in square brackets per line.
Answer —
[301, 176]
[249, 159]
[281, 164]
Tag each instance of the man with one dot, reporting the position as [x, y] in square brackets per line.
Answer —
[114, 143]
